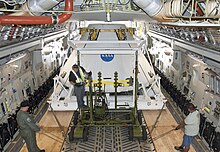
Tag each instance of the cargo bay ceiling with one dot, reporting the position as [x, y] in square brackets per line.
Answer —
[57, 11]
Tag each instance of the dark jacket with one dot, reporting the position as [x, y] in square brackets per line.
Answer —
[72, 76]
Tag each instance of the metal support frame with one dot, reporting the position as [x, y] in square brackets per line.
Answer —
[58, 83]
[116, 86]
[56, 78]
[126, 49]
[156, 82]
[136, 84]
[91, 100]
[14, 48]
[93, 115]
[184, 45]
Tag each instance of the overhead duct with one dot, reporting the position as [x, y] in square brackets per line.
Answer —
[41, 5]
[151, 7]
[172, 10]
[154, 8]
[184, 9]
[37, 7]
[213, 8]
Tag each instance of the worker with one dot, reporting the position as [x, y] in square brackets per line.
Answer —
[191, 128]
[27, 127]
[77, 79]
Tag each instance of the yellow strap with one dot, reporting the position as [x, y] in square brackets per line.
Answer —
[122, 83]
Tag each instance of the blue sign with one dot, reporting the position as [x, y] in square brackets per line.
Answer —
[107, 57]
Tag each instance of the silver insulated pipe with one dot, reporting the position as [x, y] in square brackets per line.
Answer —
[154, 8]
[37, 7]
[151, 7]
[173, 10]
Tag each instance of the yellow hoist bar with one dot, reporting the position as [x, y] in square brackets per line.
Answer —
[121, 83]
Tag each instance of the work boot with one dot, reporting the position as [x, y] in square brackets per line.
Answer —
[180, 148]
[42, 150]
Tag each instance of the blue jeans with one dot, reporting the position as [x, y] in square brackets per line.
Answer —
[80, 93]
[187, 140]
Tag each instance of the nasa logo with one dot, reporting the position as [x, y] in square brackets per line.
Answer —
[107, 57]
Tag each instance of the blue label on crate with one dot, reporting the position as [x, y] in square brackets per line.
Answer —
[107, 57]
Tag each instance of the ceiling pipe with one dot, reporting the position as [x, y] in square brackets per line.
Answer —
[154, 8]
[37, 7]
[173, 10]
[40, 19]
